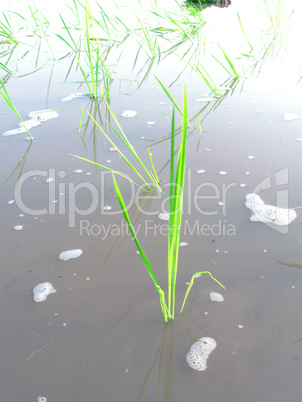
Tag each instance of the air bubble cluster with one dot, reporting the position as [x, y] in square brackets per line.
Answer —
[42, 290]
[66, 255]
[217, 297]
[268, 213]
[199, 353]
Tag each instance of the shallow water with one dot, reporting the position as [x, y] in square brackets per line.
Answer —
[101, 336]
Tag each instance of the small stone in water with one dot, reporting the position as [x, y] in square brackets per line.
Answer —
[66, 255]
[129, 113]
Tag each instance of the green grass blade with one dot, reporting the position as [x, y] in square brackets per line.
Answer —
[9, 102]
[142, 254]
[229, 62]
[191, 284]
[105, 167]
[118, 150]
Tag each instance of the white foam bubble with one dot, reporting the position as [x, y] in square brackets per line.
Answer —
[78, 171]
[200, 352]
[200, 171]
[43, 115]
[107, 208]
[183, 244]
[222, 172]
[251, 157]
[217, 297]
[18, 227]
[204, 99]
[41, 399]
[290, 116]
[150, 123]
[42, 290]
[74, 96]
[112, 149]
[66, 255]
[11, 202]
[163, 216]
[129, 113]
[268, 213]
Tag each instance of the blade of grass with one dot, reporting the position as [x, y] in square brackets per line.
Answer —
[197, 274]
[9, 102]
[142, 254]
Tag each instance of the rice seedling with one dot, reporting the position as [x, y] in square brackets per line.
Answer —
[41, 26]
[6, 31]
[231, 65]
[175, 217]
[5, 96]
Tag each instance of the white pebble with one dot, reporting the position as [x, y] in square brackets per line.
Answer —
[11, 202]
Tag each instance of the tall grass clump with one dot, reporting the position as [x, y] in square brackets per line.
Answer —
[177, 178]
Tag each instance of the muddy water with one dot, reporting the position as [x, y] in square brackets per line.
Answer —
[101, 335]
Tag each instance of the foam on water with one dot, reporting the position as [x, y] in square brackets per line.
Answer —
[200, 352]
[290, 116]
[66, 255]
[163, 216]
[36, 117]
[129, 113]
[217, 297]
[18, 227]
[74, 96]
[268, 213]
[43, 115]
[42, 290]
